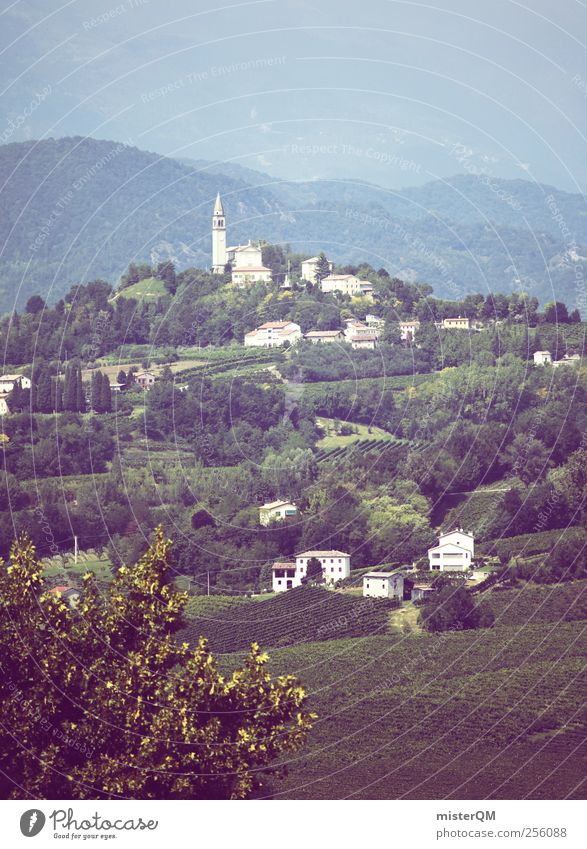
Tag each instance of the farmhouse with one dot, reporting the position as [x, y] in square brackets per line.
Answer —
[367, 290]
[364, 340]
[542, 358]
[374, 322]
[272, 334]
[346, 284]
[145, 379]
[9, 381]
[454, 552]
[4, 409]
[567, 360]
[383, 585]
[275, 511]
[309, 268]
[408, 329]
[458, 323]
[320, 336]
[336, 565]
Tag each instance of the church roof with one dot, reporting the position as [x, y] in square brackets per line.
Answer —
[218, 208]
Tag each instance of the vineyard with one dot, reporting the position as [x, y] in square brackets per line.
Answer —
[527, 545]
[304, 614]
[362, 447]
[472, 711]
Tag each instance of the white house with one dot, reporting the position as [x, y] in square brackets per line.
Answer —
[374, 322]
[364, 340]
[408, 329]
[354, 327]
[336, 565]
[383, 585]
[247, 265]
[567, 360]
[145, 379]
[346, 284]
[367, 290]
[9, 381]
[421, 591]
[272, 334]
[458, 323]
[276, 511]
[542, 358]
[320, 336]
[4, 409]
[309, 268]
[454, 553]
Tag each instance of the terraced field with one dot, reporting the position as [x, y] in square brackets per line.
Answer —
[364, 447]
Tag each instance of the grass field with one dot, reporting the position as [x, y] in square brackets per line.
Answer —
[148, 289]
[333, 440]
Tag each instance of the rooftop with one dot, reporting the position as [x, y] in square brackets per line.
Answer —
[272, 504]
[333, 553]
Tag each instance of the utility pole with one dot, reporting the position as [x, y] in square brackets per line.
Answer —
[208, 577]
[75, 549]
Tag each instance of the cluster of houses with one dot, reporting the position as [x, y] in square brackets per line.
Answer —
[273, 334]
[454, 553]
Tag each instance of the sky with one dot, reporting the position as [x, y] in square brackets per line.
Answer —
[386, 91]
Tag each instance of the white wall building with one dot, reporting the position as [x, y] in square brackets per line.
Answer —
[4, 409]
[408, 329]
[346, 284]
[219, 258]
[383, 585]
[336, 565]
[309, 268]
[275, 511]
[9, 381]
[454, 553]
[542, 358]
[364, 340]
[272, 334]
[324, 336]
[458, 323]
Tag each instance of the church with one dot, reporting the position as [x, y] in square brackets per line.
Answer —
[246, 261]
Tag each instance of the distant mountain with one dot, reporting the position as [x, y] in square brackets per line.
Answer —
[74, 209]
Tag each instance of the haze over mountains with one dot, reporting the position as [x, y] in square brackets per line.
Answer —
[74, 209]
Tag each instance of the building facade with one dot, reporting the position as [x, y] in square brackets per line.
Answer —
[346, 284]
[275, 511]
[336, 565]
[9, 381]
[458, 323]
[408, 329]
[145, 379]
[383, 585]
[542, 358]
[219, 257]
[272, 334]
[309, 269]
[454, 553]
[319, 337]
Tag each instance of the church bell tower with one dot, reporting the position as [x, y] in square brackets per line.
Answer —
[218, 237]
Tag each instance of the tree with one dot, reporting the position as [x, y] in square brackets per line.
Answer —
[105, 395]
[183, 730]
[453, 609]
[166, 272]
[35, 305]
[322, 267]
[555, 312]
[314, 572]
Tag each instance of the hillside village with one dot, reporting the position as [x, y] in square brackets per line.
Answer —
[354, 473]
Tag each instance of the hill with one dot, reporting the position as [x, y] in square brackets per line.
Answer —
[495, 713]
[75, 209]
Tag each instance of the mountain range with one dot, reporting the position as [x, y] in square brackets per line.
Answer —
[75, 209]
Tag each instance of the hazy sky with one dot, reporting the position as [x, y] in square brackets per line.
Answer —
[382, 90]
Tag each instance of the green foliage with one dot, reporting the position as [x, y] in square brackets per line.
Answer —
[183, 730]
[454, 609]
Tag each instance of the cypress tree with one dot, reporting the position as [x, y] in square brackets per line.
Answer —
[69, 390]
[80, 397]
[105, 395]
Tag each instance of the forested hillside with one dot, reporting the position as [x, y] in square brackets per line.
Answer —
[75, 209]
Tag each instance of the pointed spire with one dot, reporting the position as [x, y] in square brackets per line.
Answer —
[218, 208]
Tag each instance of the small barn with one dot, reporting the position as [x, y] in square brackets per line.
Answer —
[383, 585]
